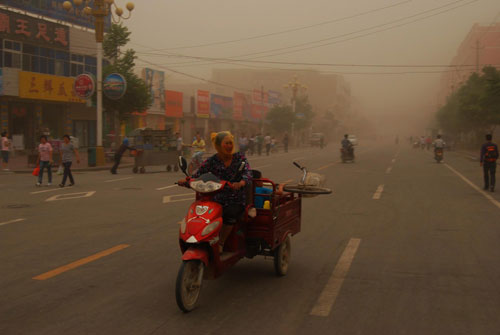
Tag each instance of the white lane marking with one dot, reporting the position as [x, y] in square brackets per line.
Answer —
[474, 186]
[178, 198]
[378, 192]
[389, 169]
[112, 180]
[164, 188]
[11, 221]
[331, 290]
[262, 166]
[68, 196]
[51, 190]
[394, 160]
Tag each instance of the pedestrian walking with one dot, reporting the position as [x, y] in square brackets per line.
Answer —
[260, 141]
[178, 143]
[67, 152]
[267, 141]
[119, 153]
[488, 160]
[251, 144]
[243, 143]
[5, 151]
[44, 160]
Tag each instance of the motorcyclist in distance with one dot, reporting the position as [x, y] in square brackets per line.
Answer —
[438, 143]
[346, 144]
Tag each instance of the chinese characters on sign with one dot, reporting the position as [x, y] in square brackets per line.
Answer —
[203, 104]
[46, 87]
[54, 10]
[173, 103]
[32, 30]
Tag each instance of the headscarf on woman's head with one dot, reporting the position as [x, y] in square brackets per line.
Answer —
[217, 139]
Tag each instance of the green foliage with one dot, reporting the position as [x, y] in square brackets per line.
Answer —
[475, 106]
[138, 96]
[282, 117]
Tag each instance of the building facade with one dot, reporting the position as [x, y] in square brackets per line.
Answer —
[480, 48]
[38, 62]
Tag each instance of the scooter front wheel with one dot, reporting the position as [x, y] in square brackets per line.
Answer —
[188, 284]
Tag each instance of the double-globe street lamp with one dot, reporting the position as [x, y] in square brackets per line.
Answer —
[295, 86]
[100, 10]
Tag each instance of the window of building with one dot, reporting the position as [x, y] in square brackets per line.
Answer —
[77, 65]
[12, 56]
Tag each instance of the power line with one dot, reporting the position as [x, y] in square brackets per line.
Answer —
[285, 31]
[337, 36]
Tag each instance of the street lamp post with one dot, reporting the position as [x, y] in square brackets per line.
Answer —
[100, 11]
[295, 86]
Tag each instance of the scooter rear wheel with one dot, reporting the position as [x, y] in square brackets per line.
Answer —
[188, 284]
[282, 257]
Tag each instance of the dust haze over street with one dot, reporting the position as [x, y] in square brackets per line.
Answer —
[367, 123]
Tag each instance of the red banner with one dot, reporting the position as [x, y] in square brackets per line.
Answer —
[203, 104]
[259, 112]
[173, 103]
[239, 101]
[260, 97]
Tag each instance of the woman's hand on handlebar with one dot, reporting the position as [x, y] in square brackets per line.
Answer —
[183, 182]
[238, 185]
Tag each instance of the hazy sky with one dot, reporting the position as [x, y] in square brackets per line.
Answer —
[167, 24]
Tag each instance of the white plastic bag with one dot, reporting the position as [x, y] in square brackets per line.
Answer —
[60, 170]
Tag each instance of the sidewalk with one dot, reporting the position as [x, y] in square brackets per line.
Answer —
[18, 163]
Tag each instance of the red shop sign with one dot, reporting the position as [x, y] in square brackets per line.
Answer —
[84, 86]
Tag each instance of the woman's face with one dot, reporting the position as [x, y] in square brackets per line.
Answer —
[43, 140]
[66, 140]
[227, 145]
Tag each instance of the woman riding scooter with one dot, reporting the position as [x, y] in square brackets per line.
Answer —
[225, 165]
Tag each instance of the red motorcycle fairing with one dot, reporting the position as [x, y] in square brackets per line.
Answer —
[200, 215]
[196, 253]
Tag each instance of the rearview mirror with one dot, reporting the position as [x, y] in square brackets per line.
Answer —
[183, 164]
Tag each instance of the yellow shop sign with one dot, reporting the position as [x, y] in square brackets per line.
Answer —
[46, 87]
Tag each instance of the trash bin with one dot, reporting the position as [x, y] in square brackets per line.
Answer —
[92, 156]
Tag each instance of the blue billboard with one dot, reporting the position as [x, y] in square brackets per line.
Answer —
[54, 10]
[221, 107]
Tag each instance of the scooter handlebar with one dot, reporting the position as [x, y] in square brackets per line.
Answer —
[297, 165]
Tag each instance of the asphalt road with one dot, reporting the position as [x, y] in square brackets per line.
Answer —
[403, 246]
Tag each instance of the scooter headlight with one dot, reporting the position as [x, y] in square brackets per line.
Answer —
[210, 228]
[183, 226]
[205, 187]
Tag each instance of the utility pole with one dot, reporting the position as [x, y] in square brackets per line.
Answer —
[477, 55]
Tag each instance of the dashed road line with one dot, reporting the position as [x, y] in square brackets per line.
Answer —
[78, 263]
[389, 169]
[119, 179]
[378, 192]
[11, 221]
[178, 198]
[474, 186]
[51, 190]
[326, 166]
[330, 292]
[394, 160]
[166, 187]
[68, 196]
